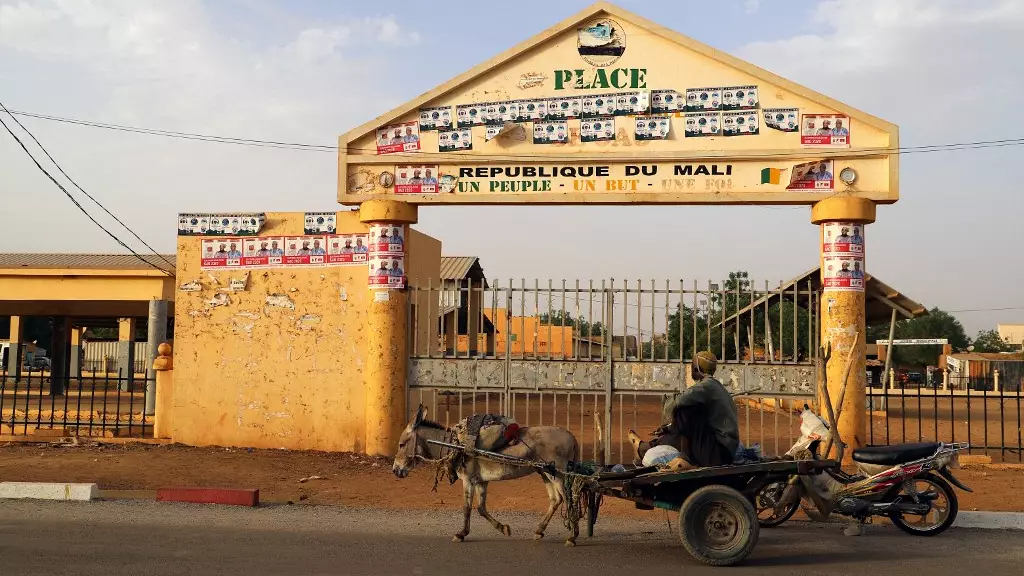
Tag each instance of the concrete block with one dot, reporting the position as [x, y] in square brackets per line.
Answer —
[48, 491]
[51, 432]
[229, 496]
[974, 460]
[990, 520]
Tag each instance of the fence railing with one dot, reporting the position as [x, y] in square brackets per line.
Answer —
[101, 406]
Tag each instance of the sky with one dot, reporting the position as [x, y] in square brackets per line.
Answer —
[944, 71]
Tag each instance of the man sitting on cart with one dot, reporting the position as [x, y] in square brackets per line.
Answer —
[701, 422]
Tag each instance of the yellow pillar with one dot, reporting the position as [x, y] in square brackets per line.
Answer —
[843, 278]
[126, 353]
[387, 345]
[163, 365]
[16, 350]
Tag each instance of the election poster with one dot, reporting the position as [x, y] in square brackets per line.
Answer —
[262, 252]
[556, 132]
[740, 98]
[815, 175]
[193, 224]
[533, 110]
[652, 127]
[398, 138]
[438, 118]
[703, 99]
[825, 131]
[740, 123]
[387, 239]
[597, 129]
[599, 105]
[842, 238]
[843, 273]
[387, 272]
[344, 249]
[632, 103]
[221, 253]
[466, 115]
[782, 119]
[416, 179]
[663, 101]
[507, 112]
[305, 250]
[702, 124]
[320, 222]
[455, 140]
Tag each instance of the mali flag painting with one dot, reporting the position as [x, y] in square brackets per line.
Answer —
[771, 175]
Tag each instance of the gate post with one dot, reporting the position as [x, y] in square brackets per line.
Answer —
[385, 373]
[841, 223]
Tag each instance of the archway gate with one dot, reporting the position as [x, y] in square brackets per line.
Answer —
[609, 108]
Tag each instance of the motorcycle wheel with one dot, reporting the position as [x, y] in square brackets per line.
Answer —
[943, 520]
[764, 499]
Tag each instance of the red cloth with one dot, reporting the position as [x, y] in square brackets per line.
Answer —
[512, 433]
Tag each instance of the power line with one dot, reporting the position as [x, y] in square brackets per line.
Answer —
[82, 190]
[955, 146]
[75, 202]
[987, 309]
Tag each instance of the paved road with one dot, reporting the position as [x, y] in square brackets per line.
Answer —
[132, 538]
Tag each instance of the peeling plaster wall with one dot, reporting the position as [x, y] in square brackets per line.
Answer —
[280, 364]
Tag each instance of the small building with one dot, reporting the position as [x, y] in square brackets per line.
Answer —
[978, 371]
[1012, 334]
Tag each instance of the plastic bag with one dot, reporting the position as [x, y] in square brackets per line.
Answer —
[660, 455]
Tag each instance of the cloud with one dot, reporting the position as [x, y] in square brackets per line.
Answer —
[751, 6]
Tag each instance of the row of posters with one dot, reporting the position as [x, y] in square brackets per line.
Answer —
[267, 251]
[247, 224]
[706, 99]
[386, 265]
[843, 261]
[816, 130]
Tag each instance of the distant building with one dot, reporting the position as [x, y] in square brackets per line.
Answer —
[1012, 333]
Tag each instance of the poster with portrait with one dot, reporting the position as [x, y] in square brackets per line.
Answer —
[703, 99]
[416, 179]
[652, 127]
[740, 123]
[398, 138]
[632, 103]
[556, 132]
[842, 238]
[701, 124]
[598, 129]
[466, 115]
[387, 239]
[599, 105]
[261, 252]
[825, 131]
[455, 140]
[221, 253]
[437, 118]
[387, 272]
[815, 175]
[740, 98]
[193, 224]
[664, 101]
[489, 114]
[507, 112]
[320, 222]
[843, 273]
[305, 250]
[782, 119]
[345, 249]
[533, 110]
[235, 224]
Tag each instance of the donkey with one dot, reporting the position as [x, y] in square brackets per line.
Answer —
[544, 443]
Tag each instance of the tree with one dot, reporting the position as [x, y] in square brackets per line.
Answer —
[936, 324]
[991, 341]
[581, 327]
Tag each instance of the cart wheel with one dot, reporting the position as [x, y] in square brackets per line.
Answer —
[593, 505]
[718, 526]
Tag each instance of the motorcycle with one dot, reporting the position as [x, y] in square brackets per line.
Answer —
[897, 481]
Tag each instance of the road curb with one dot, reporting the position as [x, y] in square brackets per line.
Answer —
[48, 491]
[230, 496]
[990, 520]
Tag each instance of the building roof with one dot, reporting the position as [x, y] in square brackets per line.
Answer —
[44, 261]
[881, 299]
[461, 268]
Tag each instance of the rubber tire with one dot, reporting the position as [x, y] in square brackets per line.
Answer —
[748, 529]
[954, 508]
[778, 521]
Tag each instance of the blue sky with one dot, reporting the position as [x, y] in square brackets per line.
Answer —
[300, 70]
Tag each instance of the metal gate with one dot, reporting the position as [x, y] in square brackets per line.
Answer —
[561, 353]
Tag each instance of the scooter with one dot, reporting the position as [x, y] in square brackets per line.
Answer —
[903, 482]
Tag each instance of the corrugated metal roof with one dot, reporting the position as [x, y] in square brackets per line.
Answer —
[456, 267]
[84, 261]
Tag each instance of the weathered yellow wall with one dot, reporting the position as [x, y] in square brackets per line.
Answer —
[259, 374]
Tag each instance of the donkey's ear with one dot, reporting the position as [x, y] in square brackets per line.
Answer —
[421, 413]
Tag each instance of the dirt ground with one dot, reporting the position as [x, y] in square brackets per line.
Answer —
[346, 479]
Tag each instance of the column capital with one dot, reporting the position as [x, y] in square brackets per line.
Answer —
[843, 209]
[380, 210]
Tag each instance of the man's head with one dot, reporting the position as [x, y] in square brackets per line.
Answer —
[408, 131]
[822, 169]
[348, 242]
[305, 244]
[234, 246]
[428, 172]
[359, 241]
[704, 363]
[839, 124]
[316, 243]
[394, 264]
[222, 248]
[274, 244]
[846, 266]
[263, 245]
[825, 123]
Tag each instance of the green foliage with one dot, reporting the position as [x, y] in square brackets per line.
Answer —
[582, 328]
[990, 341]
[936, 324]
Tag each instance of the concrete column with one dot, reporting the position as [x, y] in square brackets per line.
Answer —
[16, 354]
[77, 347]
[156, 335]
[163, 366]
[475, 310]
[60, 344]
[843, 322]
[387, 345]
[126, 353]
[945, 379]
[995, 381]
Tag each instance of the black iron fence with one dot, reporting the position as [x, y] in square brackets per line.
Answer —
[985, 414]
[104, 406]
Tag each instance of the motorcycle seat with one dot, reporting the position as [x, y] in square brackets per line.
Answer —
[895, 454]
